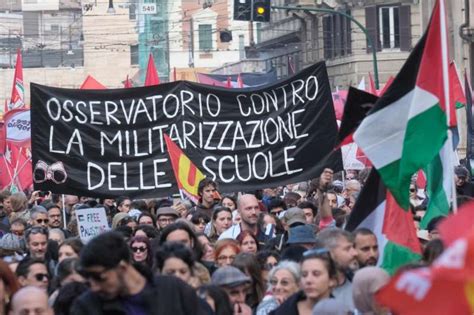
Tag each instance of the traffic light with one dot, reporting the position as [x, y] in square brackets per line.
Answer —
[243, 10]
[261, 10]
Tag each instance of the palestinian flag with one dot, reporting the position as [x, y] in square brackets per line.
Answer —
[376, 210]
[407, 127]
[356, 108]
[187, 175]
[458, 97]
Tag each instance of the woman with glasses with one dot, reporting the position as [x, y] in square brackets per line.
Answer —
[199, 220]
[318, 278]
[141, 250]
[225, 252]
[283, 282]
[221, 220]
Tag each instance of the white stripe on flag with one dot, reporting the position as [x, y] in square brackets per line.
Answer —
[381, 135]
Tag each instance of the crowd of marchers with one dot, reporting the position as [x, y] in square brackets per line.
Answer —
[281, 250]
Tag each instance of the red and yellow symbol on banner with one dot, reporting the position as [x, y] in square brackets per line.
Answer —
[186, 173]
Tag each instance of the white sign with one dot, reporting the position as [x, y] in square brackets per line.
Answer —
[18, 126]
[91, 222]
[148, 8]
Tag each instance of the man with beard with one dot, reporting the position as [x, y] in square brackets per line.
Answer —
[341, 247]
[117, 287]
[249, 210]
[365, 243]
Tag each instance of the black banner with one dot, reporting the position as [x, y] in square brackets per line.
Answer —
[107, 143]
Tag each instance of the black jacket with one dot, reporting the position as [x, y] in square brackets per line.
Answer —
[163, 296]
[290, 306]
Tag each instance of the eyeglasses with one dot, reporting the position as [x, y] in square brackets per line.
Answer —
[139, 249]
[315, 252]
[41, 276]
[41, 221]
[283, 282]
[226, 258]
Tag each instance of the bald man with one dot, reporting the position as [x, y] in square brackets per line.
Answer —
[249, 210]
[30, 300]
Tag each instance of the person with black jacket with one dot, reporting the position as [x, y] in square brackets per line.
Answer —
[117, 287]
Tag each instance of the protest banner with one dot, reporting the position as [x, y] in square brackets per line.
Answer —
[110, 143]
[91, 222]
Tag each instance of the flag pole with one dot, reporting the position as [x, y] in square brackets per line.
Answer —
[447, 98]
[64, 212]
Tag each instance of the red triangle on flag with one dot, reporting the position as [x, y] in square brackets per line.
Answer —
[152, 77]
[92, 84]
[456, 92]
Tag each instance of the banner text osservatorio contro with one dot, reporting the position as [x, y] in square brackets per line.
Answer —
[108, 143]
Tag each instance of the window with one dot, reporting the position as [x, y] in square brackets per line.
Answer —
[259, 32]
[134, 54]
[337, 40]
[205, 37]
[132, 12]
[389, 27]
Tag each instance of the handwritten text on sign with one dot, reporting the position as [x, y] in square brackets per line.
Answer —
[91, 222]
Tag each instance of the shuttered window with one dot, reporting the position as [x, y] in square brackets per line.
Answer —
[389, 27]
[337, 40]
[205, 37]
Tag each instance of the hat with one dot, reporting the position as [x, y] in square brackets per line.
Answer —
[294, 215]
[10, 241]
[461, 171]
[229, 276]
[117, 218]
[167, 211]
[301, 234]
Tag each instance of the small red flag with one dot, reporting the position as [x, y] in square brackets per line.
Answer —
[387, 85]
[17, 99]
[240, 82]
[92, 84]
[229, 83]
[152, 77]
[128, 83]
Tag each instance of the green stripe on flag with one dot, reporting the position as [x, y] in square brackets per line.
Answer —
[395, 256]
[424, 137]
[459, 105]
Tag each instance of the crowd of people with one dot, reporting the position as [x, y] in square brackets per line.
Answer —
[276, 251]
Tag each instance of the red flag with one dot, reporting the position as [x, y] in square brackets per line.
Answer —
[229, 83]
[187, 175]
[240, 82]
[17, 99]
[455, 226]
[372, 89]
[444, 288]
[152, 77]
[387, 85]
[3, 141]
[174, 74]
[128, 83]
[91, 84]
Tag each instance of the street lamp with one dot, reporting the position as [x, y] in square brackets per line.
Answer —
[331, 11]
